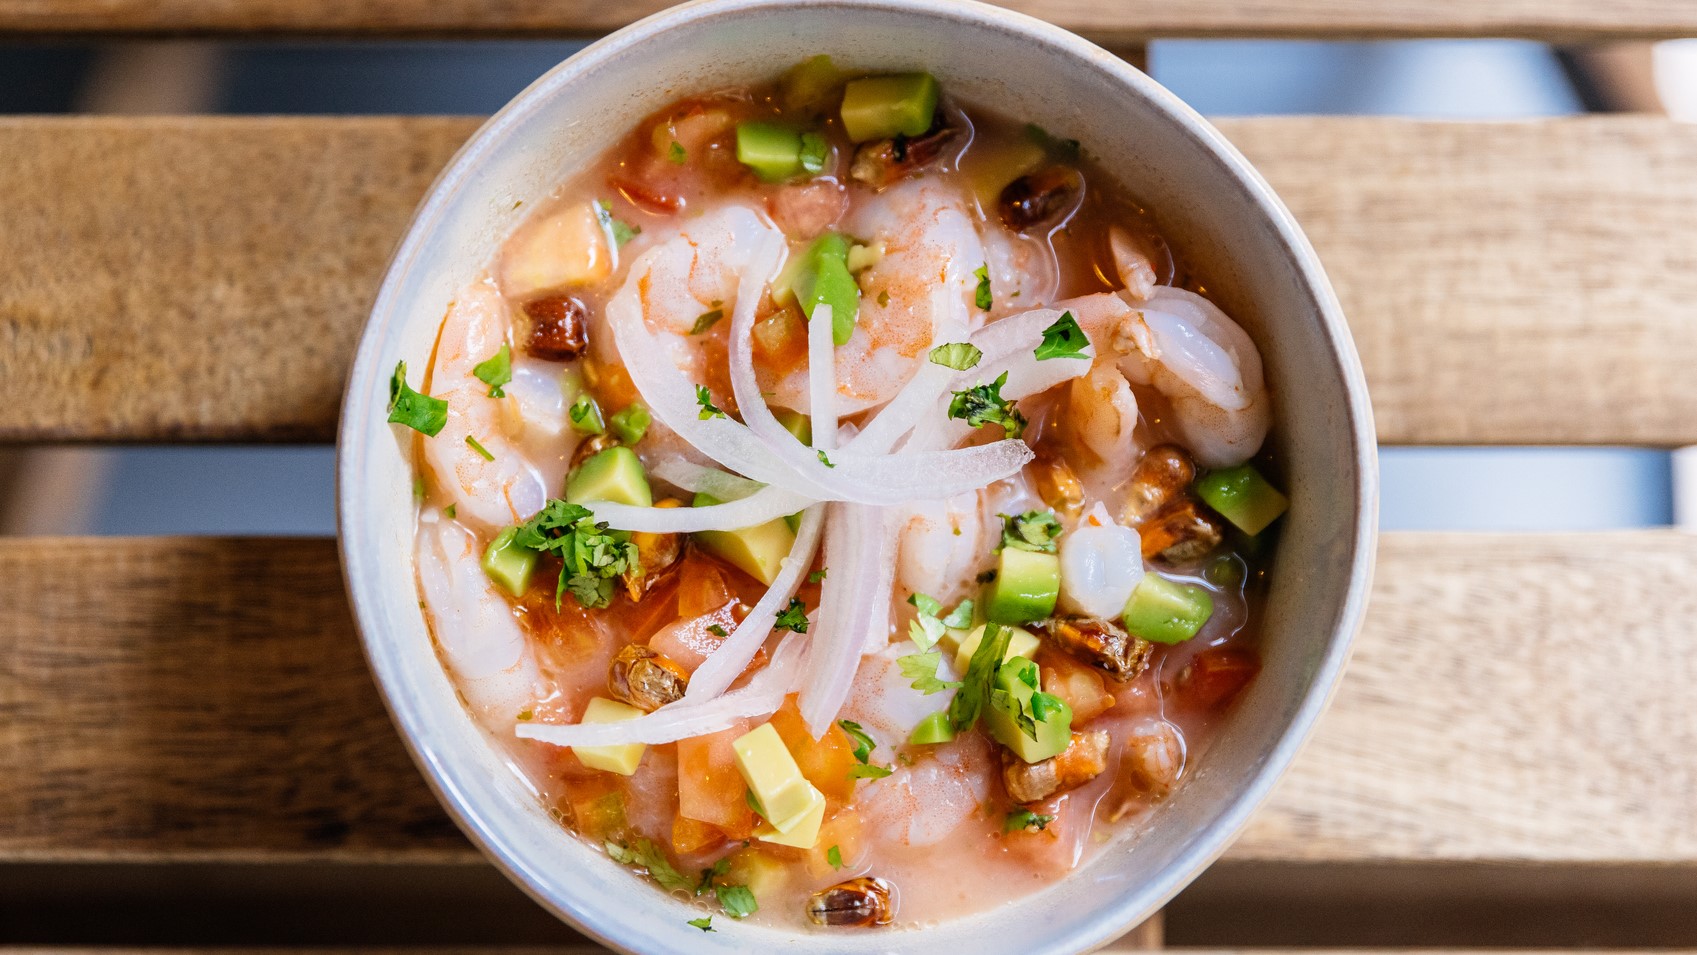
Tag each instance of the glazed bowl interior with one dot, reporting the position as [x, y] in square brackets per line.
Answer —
[1210, 204]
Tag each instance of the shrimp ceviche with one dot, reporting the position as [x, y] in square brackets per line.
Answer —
[840, 506]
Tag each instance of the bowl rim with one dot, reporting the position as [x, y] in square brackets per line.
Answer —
[359, 397]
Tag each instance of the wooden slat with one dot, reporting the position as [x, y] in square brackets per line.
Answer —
[1107, 20]
[1514, 699]
[206, 278]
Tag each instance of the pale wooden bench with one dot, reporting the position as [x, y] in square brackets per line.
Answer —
[1517, 735]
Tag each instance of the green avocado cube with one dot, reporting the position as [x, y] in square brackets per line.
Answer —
[1026, 587]
[613, 475]
[508, 565]
[1244, 497]
[1166, 611]
[1011, 719]
[882, 107]
[932, 730]
[823, 278]
[758, 551]
[771, 150]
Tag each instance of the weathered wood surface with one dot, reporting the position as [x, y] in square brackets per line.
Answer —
[1105, 20]
[205, 279]
[1514, 699]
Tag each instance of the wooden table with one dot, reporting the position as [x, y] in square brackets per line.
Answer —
[193, 753]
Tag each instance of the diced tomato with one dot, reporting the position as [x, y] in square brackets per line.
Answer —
[780, 339]
[710, 788]
[825, 762]
[691, 835]
[701, 586]
[1080, 686]
[597, 806]
[1217, 675]
[843, 832]
[645, 196]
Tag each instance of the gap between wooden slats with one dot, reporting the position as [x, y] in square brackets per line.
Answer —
[1112, 20]
[206, 278]
[1514, 699]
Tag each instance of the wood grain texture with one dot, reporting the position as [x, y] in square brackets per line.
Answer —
[1514, 699]
[1107, 20]
[206, 279]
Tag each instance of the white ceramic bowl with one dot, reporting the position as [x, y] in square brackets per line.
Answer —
[1209, 202]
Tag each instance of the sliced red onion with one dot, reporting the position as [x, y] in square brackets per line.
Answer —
[697, 478]
[758, 508]
[822, 378]
[762, 695]
[849, 609]
[725, 663]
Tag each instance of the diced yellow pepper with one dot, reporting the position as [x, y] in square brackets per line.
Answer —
[771, 772]
[803, 832]
[1023, 643]
[565, 248]
[621, 759]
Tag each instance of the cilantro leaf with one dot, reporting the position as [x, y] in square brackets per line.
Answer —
[984, 404]
[921, 668]
[677, 153]
[1022, 819]
[825, 460]
[737, 900]
[794, 617]
[704, 398]
[590, 555]
[957, 355]
[814, 152]
[709, 874]
[869, 772]
[1043, 705]
[482, 451]
[1064, 339]
[982, 297]
[980, 675]
[631, 423]
[1065, 148]
[834, 856]
[586, 416]
[1033, 531]
[420, 412]
[959, 618]
[644, 854]
[618, 229]
[718, 631]
[705, 923]
[817, 575]
[863, 743]
[706, 320]
[926, 605]
[496, 371]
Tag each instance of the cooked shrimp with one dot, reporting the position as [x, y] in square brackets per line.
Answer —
[503, 487]
[474, 625]
[928, 239]
[1023, 269]
[1134, 267]
[940, 545]
[1101, 419]
[922, 804]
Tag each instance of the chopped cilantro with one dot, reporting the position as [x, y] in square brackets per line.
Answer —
[420, 412]
[834, 856]
[825, 460]
[452, 510]
[717, 631]
[982, 297]
[929, 623]
[869, 772]
[704, 923]
[1043, 704]
[980, 675]
[863, 743]
[677, 154]
[706, 320]
[960, 617]
[711, 873]
[957, 355]
[1022, 819]
[1066, 148]
[631, 423]
[620, 230]
[983, 404]
[737, 900]
[526, 715]
[814, 152]
[704, 399]
[1064, 339]
[926, 605]
[793, 618]
[644, 854]
[884, 298]
[817, 575]
[586, 416]
[921, 668]
[1033, 531]
[590, 555]
[496, 371]
[480, 449]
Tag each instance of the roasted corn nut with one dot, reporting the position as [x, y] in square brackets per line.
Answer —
[1161, 477]
[645, 678]
[1085, 757]
[865, 901]
[1101, 644]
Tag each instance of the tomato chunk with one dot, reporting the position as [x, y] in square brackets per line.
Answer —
[825, 762]
[710, 788]
[1218, 675]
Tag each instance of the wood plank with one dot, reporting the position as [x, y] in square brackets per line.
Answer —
[206, 278]
[1110, 21]
[1515, 699]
